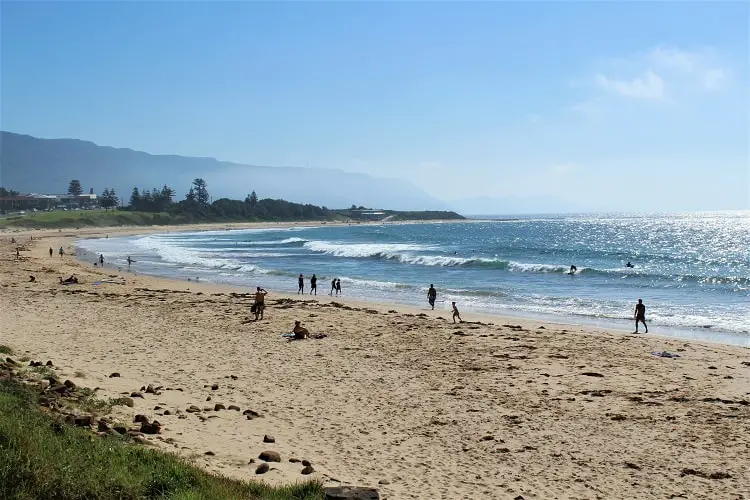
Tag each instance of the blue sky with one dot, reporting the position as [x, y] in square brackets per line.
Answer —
[598, 105]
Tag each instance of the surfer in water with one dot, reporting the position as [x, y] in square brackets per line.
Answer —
[629, 264]
[573, 270]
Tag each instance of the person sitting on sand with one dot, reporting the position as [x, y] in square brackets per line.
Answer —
[456, 314]
[260, 303]
[431, 296]
[300, 333]
[67, 281]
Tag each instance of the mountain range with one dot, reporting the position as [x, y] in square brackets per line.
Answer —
[30, 164]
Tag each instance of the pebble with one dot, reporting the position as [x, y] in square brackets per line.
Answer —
[269, 439]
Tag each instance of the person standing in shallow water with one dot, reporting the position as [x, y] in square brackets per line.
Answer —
[431, 296]
[333, 286]
[314, 285]
[640, 315]
[301, 284]
[338, 287]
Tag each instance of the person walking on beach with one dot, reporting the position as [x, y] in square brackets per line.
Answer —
[333, 286]
[260, 302]
[314, 285]
[456, 314]
[61, 252]
[130, 261]
[640, 315]
[338, 287]
[431, 296]
[51, 251]
[101, 260]
[301, 284]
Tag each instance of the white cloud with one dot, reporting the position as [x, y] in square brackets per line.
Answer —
[662, 73]
[590, 109]
[563, 168]
[647, 86]
[714, 78]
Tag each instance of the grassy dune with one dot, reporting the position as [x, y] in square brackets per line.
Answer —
[42, 458]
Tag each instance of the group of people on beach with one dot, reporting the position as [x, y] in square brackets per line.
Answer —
[335, 285]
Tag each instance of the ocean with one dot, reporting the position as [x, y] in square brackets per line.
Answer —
[692, 270]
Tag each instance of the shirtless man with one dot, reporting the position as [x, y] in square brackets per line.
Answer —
[431, 296]
[301, 284]
[640, 315]
[260, 302]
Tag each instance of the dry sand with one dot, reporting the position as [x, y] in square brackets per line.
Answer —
[404, 401]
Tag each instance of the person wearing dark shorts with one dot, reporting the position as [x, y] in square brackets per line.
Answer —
[301, 283]
[640, 315]
[431, 296]
[314, 285]
[338, 286]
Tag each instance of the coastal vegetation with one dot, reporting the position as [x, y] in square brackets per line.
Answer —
[157, 206]
[41, 456]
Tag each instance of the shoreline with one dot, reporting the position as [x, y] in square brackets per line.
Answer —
[611, 325]
[392, 398]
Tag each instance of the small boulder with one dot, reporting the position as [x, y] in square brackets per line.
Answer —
[120, 428]
[136, 394]
[167, 412]
[210, 453]
[350, 493]
[208, 398]
[140, 418]
[219, 406]
[114, 375]
[251, 414]
[193, 409]
[233, 407]
[294, 460]
[49, 363]
[269, 439]
[308, 470]
[306, 463]
[214, 387]
[270, 456]
[384, 482]
[128, 402]
[83, 420]
[262, 468]
[150, 389]
[70, 385]
[102, 426]
[151, 428]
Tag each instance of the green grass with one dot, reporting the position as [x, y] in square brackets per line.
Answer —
[4, 349]
[41, 458]
[89, 218]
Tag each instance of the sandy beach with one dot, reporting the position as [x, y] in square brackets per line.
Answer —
[394, 397]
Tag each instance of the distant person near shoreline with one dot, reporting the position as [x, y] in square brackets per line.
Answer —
[338, 287]
[260, 303]
[431, 296]
[62, 252]
[51, 251]
[301, 284]
[314, 285]
[333, 286]
[640, 315]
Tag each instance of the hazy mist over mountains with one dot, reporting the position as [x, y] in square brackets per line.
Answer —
[29, 164]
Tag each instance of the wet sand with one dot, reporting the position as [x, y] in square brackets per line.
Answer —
[394, 397]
